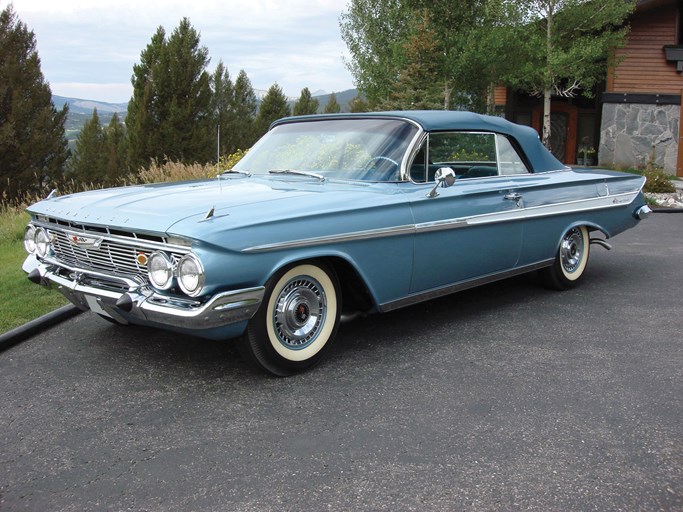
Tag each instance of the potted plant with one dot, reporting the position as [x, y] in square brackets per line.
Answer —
[589, 156]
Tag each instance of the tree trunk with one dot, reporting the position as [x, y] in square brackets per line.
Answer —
[546, 118]
[547, 91]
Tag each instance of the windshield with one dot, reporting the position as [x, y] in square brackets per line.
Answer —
[355, 149]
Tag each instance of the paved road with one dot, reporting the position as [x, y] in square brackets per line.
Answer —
[509, 397]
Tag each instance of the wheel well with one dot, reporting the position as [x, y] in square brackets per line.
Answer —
[355, 293]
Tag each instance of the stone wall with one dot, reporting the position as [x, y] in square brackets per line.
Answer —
[630, 131]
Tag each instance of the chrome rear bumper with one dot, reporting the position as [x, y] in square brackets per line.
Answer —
[142, 304]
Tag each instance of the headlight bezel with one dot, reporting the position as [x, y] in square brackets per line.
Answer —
[168, 267]
[30, 239]
[199, 274]
[42, 242]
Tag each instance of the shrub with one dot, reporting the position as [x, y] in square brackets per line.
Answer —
[658, 181]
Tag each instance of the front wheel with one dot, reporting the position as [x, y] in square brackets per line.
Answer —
[570, 261]
[297, 321]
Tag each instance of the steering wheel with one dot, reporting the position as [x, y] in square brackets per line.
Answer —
[376, 158]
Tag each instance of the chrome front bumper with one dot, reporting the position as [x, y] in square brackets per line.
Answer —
[142, 304]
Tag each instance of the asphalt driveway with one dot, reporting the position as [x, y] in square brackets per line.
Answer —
[507, 397]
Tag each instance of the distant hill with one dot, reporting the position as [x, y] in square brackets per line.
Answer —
[80, 110]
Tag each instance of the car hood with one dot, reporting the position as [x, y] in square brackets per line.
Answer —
[158, 208]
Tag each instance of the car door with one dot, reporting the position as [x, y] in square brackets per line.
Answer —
[473, 228]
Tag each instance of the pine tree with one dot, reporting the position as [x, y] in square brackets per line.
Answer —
[273, 107]
[87, 164]
[305, 104]
[332, 107]
[244, 107]
[33, 148]
[420, 84]
[115, 165]
[145, 107]
[223, 100]
[358, 104]
[170, 113]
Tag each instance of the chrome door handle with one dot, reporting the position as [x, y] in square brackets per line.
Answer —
[513, 196]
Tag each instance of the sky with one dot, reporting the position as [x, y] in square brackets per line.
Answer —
[88, 48]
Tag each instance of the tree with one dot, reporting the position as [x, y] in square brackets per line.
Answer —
[374, 31]
[305, 104]
[562, 47]
[332, 107]
[33, 148]
[115, 150]
[244, 107]
[421, 82]
[223, 108]
[383, 37]
[358, 104]
[87, 164]
[273, 106]
[169, 115]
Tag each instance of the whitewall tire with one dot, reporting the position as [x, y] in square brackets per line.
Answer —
[297, 321]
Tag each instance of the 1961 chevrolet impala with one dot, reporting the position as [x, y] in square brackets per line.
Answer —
[327, 215]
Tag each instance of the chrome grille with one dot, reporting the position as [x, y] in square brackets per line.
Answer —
[109, 256]
[116, 254]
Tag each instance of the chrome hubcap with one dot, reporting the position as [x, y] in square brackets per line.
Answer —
[571, 251]
[299, 312]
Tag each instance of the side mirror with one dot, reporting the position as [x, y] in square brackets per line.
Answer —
[444, 177]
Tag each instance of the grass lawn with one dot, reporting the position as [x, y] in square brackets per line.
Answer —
[21, 300]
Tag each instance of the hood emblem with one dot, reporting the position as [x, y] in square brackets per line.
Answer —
[84, 241]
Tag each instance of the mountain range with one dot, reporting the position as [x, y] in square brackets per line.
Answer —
[80, 110]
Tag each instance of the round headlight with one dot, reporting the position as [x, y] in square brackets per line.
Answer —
[160, 270]
[30, 239]
[190, 275]
[42, 242]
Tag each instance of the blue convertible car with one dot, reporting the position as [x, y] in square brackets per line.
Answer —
[325, 216]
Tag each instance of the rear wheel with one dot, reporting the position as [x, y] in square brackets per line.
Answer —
[570, 261]
[297, 321]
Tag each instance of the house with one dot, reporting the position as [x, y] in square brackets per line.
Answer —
[638, 116]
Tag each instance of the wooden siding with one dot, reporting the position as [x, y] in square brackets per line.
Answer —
[500, 95]
[644, 67]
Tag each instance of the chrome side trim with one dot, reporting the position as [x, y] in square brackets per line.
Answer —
[408, 229]
[594, 203]
[463, 285]
[582, 205]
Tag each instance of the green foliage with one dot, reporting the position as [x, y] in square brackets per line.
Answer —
[244, 108]
[100, 153]
[658, 181]
[386, 37]
[373, 31]
[87, 161]
[462, 147]
[419, 85]
[305, 104]
[115, 151]
[273, 107]
[400, 48]
[560, 47]
[359, 104]
[332, 107]
[32, 144]
[169, 115]
[222, 101]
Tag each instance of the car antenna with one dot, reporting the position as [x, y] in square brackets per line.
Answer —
[218, 158]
